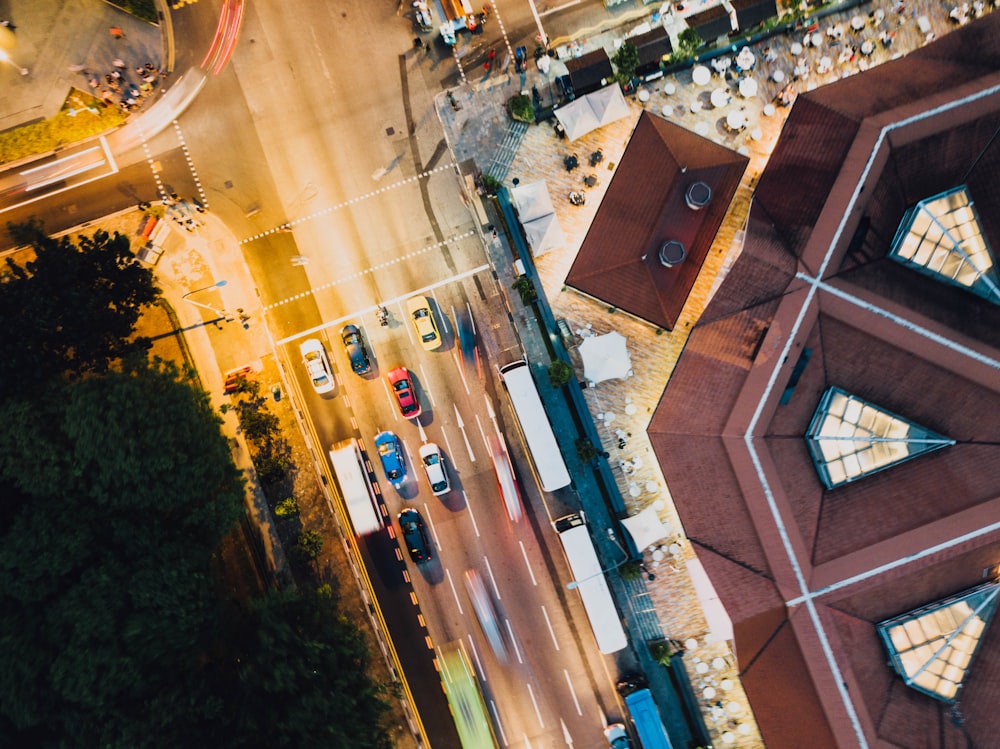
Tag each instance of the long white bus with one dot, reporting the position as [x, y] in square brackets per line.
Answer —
[535, 426]
[355, 487]
[588, 578]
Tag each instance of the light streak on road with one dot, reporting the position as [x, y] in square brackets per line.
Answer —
[162, 114]
[552, 632]
[527, 563]
[227, 32]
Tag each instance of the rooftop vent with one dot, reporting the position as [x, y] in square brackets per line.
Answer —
[698, 195]
[672, 253]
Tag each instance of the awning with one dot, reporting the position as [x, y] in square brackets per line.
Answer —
[592, 111]
[646, 528]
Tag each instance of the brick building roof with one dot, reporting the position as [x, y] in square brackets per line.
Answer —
[644, 207]
[807, 572]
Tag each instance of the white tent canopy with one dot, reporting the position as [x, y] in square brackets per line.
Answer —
[605, 357]
[600, 108]
[646, 528]
[720, 626]
[538, 217]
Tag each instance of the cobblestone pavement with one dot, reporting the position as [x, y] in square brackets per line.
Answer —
[621, 409]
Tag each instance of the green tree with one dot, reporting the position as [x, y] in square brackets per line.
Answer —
[116, 490]
[560, 373]
[76, 307]
[626, 61]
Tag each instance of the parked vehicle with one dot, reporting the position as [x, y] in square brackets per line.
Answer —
[390, 454]
[354, 347]
[644, 713]
[402, 389]
[419, 309]
[415, 535]
[317, 365]
[437, 475]
[617, 736]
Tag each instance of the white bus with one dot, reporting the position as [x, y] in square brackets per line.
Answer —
[588, 578]
[359, 496]
[535, 426]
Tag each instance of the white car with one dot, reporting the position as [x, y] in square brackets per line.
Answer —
[437, 476]
[317, 365]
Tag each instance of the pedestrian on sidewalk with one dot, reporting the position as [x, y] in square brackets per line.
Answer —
[118, 63]
[116, 32]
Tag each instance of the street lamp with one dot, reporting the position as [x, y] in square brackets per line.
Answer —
[5, 57]
[600, 573]
[217, 284]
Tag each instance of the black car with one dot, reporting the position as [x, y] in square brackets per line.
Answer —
[354, 345]
[415, 535]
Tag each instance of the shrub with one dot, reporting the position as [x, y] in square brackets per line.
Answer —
[630, 570]
[287, 508]
[308, 547]
[521, 108]
[491, 184]
[585, 450]
[626, 61]
[272, 468]
[526, 289]
[560, 373]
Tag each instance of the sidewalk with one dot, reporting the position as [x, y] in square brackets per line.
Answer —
[52, 37]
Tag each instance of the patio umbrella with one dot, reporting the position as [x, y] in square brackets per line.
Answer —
[605, 357]
[735, 120]
[720, 98]
[748, 87]
[701, 75]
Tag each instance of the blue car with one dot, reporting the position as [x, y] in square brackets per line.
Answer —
[390, 453]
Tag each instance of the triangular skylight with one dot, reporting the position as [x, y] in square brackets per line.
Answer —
[850, 438]
[942, 237]
[932, 647]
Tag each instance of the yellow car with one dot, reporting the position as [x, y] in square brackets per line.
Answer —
[419, 310]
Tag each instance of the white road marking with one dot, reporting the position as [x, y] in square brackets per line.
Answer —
[513, 641]
[454, 592]
[367, 310]
[569, 683]
[489, 569]
[535, 703]
[527, 564]
[552, 632]
[472, 516]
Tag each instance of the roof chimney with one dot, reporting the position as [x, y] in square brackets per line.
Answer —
[698, 195]
[672, 253]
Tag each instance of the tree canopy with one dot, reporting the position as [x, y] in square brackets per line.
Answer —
[75, 306]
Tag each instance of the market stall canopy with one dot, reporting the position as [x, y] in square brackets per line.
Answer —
[605, 357]
[592, 111]
[538, 217]
[646, 528]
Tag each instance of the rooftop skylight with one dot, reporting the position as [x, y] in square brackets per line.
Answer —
[942, 237]
[850, 438]
[932, 647]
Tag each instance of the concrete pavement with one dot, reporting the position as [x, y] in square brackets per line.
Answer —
[53, 36]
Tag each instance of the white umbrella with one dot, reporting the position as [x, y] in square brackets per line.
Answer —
[748, 87]
[701, 75]
[735, 120]
[745, 59]
[720, 98]
[605, 357]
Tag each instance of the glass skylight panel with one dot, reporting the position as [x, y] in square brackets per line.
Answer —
[849, 438]
[942, 237]
[932, 647]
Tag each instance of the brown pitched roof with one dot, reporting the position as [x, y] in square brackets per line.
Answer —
[807, 573]
[644, 207]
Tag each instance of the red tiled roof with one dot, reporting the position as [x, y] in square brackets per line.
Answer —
[729, 431]
[644, 207]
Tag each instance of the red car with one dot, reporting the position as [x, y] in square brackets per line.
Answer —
[402, 388]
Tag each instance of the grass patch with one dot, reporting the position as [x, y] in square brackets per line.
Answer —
[142, 9]
[81, 116]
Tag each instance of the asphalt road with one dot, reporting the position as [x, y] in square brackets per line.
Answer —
[319, 148]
